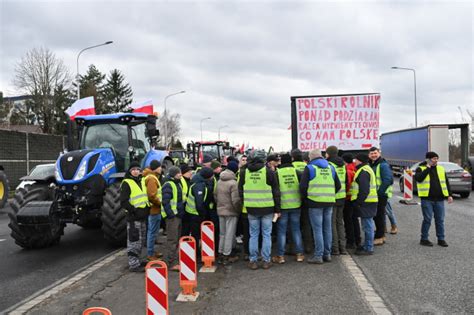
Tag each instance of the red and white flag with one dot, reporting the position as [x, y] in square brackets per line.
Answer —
[143, 107]
[83, 107]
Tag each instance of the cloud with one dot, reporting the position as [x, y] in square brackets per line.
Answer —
[240, 62]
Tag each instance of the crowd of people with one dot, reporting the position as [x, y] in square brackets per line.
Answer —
[311, 204]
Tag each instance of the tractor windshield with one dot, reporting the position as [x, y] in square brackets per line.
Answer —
[114, 136]
[211, 149]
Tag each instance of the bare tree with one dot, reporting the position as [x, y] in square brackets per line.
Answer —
[42, 75]
[173, 128]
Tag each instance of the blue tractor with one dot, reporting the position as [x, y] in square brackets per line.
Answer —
[86, 185]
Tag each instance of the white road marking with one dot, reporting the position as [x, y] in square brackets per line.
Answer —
[38, 297]
[2, 239]
[371, 297]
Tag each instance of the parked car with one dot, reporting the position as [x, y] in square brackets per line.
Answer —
[469, 166]
[39, 171]
[460, 180]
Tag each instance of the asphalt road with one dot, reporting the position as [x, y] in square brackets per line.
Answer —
[414, 279]
[23, 272]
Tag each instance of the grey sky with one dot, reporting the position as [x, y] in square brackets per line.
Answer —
[241, 61]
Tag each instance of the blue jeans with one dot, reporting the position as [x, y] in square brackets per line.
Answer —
[263, 223]
[321, 223]
[154, 221]
[368, 226]
[282, 225]
[429, 208]
[390, 214]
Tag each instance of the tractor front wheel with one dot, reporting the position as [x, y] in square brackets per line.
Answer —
[114, 219]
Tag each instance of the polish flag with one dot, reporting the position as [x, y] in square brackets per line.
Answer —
[143, 107]
[83, 107]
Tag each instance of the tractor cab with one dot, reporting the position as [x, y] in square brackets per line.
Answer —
[129, 136]
[218, 150]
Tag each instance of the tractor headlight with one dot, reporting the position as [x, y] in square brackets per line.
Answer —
[81, 172]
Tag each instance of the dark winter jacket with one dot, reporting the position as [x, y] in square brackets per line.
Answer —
[167, 196]
[253, 166]
[133, 214]
[435, 193]
[309, 174]
[339, 162]
[199, 191]
[298, 174]
[361, 208]
[386, 175]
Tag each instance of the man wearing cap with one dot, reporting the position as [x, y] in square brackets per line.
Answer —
[259, 190]
[172, 210]
[384, 180]
[152, 176]
[364, 200]
[338, 233]
[197, 204]
[288, 180]
[229, 207]
[273, 160]
[433, 189]
[318, 188]
[134, 199]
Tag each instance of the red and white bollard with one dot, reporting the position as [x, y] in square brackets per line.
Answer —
[208, 249]
[408, 188]
[187, 269]
[156, 288]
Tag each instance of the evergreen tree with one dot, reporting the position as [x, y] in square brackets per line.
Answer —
[118, 94]
[92, 84]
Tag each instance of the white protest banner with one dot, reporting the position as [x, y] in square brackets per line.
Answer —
[350, 122]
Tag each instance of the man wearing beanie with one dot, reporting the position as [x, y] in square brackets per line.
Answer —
[338, 232]
[197, 205]
[289, 179]
[364, 201]
[229, 207]
[152, 176]
[133, 198]
[172, 210]
[384, 180]
[319, 185]
[187, 173]
[299, 164]
[351, 221]
[433, 189]
[259, 190]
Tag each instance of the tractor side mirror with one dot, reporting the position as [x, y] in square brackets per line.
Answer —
[151, 127]
[188, 147]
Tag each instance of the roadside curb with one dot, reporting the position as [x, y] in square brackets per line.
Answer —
[372, 298]
[58, 286]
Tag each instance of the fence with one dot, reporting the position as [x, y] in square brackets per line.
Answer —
[21, 151]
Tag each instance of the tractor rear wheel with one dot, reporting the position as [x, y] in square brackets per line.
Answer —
[3, 189]
[114, 218]
[30, 236]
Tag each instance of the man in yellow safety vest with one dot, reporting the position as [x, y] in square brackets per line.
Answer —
[134, 200]
[258, 188]
[318, 187]
[433, 189]
[172, 210]
[364, 199]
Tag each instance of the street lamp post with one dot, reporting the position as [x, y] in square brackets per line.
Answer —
[207, 118]
[78, 55]
[166, 117]
[219, 131]
[414, 82]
